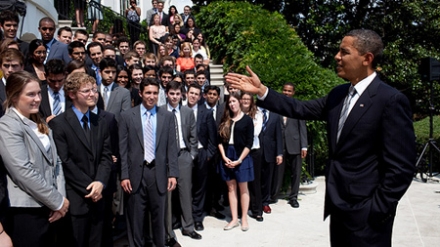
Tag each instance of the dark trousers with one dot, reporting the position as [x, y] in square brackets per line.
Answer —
[266, 180]
[366, 236]
[87, 229]
[147, 197]
[200, 181]
[29, 227]
[256, 205]
[294, 163]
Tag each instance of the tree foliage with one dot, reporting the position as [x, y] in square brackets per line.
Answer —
[410, 31]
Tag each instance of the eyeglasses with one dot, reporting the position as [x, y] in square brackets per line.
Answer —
[88, 91]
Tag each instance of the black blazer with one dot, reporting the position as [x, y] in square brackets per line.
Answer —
[206, 130]
[271, 139]
[2, 97]
[371, 166]
[45, 109]
[82, 162]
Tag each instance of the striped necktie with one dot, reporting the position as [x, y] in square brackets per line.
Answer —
[56, 104]
[345, 107]
[149, 138]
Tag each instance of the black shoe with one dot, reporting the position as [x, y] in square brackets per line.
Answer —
[258, 218]
[177, 225]
[294, 203]
[273, 201]
[198, 225]
[193, 234]
[217, 215]
[172, 243]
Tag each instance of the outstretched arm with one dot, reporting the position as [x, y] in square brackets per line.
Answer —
[250, 84]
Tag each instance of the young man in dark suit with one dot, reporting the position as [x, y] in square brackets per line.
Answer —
[188, 150]
[371, 141]
[295, 149]
[148, 150]
[207, 136]
[55, 48]
[271, 146]
[11, 61]
[83, 144]
[9, 21]
[53, 99]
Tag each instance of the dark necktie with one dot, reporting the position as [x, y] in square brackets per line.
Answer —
[264, 119]
[85, 121]
[345, 107]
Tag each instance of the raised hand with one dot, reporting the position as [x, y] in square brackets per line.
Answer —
[250, 84]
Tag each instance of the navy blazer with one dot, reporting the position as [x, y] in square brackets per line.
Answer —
[206, 130]
[371, 166]
[271, 139]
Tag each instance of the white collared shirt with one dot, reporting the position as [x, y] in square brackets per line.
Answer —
[179, 124]
[50, 92]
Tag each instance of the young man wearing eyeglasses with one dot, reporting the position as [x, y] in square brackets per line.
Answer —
[83, 144]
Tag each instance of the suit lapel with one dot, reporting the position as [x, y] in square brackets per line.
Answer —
[113, 94]
[35, 138]
[137, 123]
[94, 128]
[160, 123]
[72, 120]
[361, 106]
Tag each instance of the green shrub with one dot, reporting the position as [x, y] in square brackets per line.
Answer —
[241, 34]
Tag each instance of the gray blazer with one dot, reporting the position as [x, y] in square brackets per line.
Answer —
[31, 170]
[294, 134]
[189, 130]
[59, 50]
[119, 101]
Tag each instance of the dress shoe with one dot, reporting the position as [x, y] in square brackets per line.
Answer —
[198, 226]
[193, 234]
[177, 225]
[230, 227]
[258, 218]
[294, 203]
[267, 209]
[217, 215]
[172, 243]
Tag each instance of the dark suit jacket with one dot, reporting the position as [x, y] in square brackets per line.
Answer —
[59, 50]
[206, 130]
[294, 135]
[24, 47]
[82, 162]
[2, 97]
[131, 147]
[372, 165]
[271, 139]
[45, 109]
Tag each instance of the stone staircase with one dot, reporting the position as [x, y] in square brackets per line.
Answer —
[217, 78]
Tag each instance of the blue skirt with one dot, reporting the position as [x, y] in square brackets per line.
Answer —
[242, 173]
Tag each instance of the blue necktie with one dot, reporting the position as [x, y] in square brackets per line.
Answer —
[56, 104]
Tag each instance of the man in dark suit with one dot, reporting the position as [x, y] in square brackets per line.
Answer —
[116, 99]
[148, 149]
[207, 136]
[295, 149]
[271, 146]
[186, 14]
[11, 61]
[216, 186]
[371, 141]
[188, 150]
[55, 48]
[53, 100]
[83, 143]
[164, 18]
[9, 21]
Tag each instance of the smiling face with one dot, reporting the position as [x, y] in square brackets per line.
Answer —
[96, 54]
[84, 98]
[28, 102]
[123, 47]
[246, 102]
[10, 29]
[149, 96]
[122, 78]
[137, 76]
